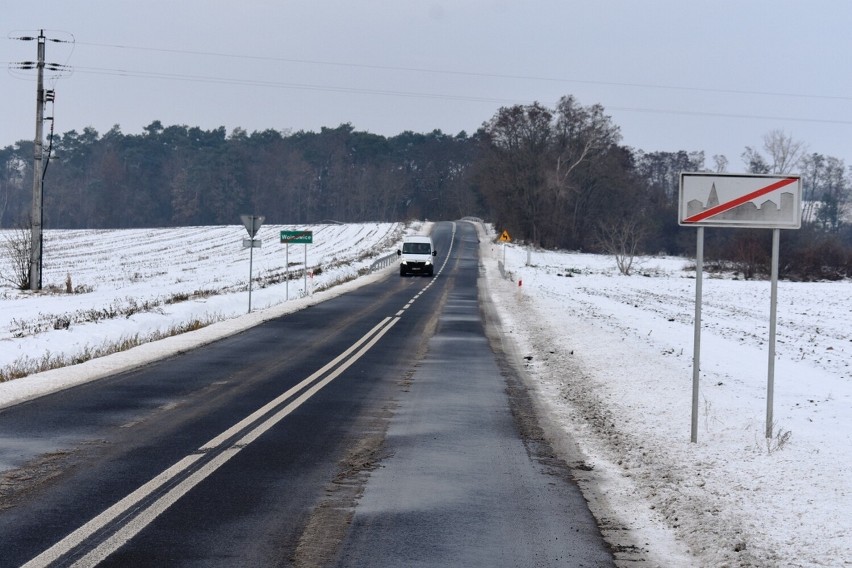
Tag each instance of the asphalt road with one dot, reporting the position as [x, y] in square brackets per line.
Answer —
[376, 429]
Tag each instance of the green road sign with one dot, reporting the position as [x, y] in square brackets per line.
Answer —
[297, 237]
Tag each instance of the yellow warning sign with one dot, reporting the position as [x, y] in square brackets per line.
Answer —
[505, 238]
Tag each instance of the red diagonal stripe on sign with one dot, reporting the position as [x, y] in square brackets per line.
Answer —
[739, 200]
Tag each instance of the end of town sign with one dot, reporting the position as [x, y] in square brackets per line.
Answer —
[740, 200]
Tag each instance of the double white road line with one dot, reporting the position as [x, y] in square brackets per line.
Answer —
[125, 519]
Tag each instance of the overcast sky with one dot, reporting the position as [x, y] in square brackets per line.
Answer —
[673, 74]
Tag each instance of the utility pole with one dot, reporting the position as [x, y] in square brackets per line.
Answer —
[36, 238]
[42, 97]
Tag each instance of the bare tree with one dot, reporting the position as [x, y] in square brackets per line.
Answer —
[784, 152]
[622, 239]
[580, 131]
[813, 172]
[754, 161]
[583, 138]
[826, 191]
[834, 195]
[520, 137]
[721, 163]
[16, 248]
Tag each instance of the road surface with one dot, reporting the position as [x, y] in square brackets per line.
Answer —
[381, 428]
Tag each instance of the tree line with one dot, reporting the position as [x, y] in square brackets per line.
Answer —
[555, 177]
[179, 175]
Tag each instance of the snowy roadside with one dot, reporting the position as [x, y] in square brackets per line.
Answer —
[610, 360]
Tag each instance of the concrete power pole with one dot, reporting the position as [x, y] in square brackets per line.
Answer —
[42, 97]
[36, 238]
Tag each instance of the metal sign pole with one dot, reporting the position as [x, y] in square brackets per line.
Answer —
[296, 237]
[773, 312]
[287, 272]
[696, 353]
[251, 261]
[252, 224]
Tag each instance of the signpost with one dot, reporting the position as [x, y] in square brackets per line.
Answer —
[252, 224]
[745, 201]
[297, 238]
[506, 238]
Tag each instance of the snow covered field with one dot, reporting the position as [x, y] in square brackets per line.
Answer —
[142, 284]
[610, 357]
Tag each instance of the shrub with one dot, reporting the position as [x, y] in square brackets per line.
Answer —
[17, 248]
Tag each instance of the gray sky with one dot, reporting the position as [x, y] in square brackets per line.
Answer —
[673, 74]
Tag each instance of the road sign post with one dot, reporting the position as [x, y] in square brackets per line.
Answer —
[287, 272]
[296, 237]
[252, 224]
[696, 341]
[744, 201]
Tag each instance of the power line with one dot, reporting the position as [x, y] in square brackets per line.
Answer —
[432, 96]
[475, 73]
[422, 95]
[285, 85]
[731, 115]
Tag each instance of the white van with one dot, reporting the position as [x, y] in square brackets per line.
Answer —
[417, 256]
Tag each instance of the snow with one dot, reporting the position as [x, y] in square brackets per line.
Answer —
[609, 358]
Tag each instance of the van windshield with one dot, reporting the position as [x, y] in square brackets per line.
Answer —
[416, 248]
